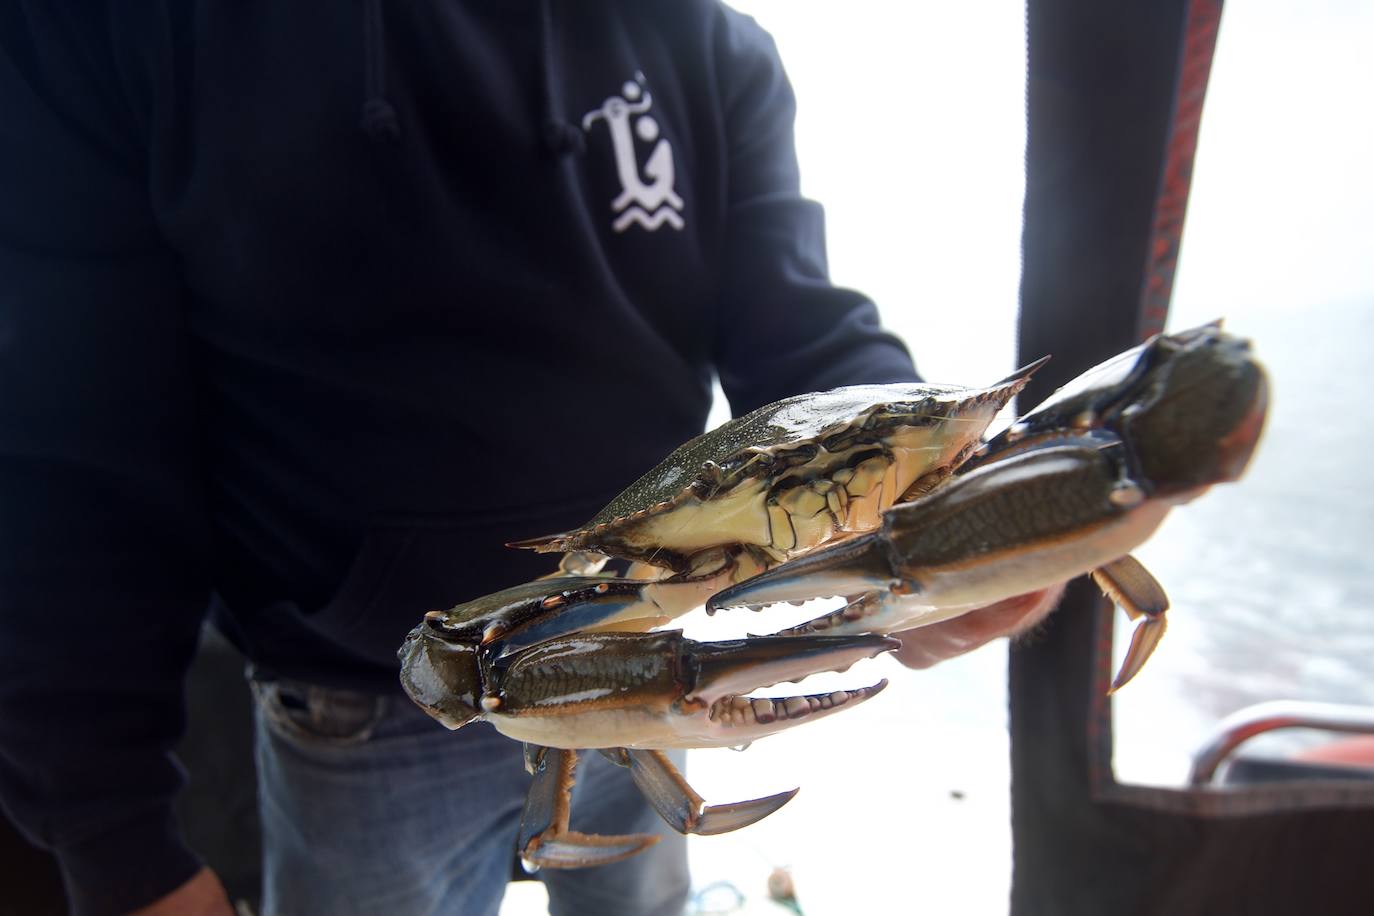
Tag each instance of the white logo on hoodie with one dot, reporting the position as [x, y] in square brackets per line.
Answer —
[648, 200]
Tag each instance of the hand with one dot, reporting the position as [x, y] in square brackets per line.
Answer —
[203, 895]
[925, 646]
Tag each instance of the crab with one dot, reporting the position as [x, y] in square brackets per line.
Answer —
[1071, 488]
[780, 482]
[545, 681]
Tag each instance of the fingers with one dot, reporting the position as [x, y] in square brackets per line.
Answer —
[203, 895]
[927, 646]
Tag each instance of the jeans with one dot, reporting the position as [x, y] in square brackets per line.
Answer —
[371, 807]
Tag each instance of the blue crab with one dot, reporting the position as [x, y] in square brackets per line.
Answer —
[780, 482]
[1071, 488]
[628, 694]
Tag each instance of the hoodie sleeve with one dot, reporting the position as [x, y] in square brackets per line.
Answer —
[784, 328]
[102, 519]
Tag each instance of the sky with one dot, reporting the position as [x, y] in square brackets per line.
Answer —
[911, 133]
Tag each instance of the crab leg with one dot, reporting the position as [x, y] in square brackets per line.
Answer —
[1139, 594]
[678, 803]
[545, 841]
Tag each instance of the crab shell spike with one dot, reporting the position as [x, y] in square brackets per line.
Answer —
[1024, 373]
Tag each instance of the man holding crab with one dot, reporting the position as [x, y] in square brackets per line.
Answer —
[303, 314]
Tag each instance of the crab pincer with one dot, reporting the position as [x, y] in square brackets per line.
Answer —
[663, 690]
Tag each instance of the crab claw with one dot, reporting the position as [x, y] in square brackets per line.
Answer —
[1023, 523]
[519, 617]
[863, 570]
[854, 566]
[662, 690]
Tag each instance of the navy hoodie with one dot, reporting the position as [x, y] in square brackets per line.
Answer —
[307, 309]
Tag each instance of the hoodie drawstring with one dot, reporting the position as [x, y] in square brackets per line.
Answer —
[378, 117]
[560, 137]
